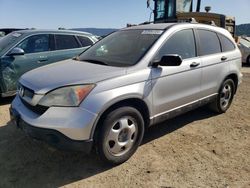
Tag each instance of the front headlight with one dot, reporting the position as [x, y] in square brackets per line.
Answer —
[66, 96]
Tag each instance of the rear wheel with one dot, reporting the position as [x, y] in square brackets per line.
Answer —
[224, 97]
[248, 60]
[120, 135]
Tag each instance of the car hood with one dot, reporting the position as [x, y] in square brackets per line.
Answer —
[68, 72]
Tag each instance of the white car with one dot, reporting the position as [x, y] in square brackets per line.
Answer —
[245, 49]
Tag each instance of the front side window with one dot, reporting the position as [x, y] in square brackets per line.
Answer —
[183, 6]
[181, 43]
[122, 48]
[66, 42]
[160, 9]
[226, 44]
[209, 42]
[35, 44]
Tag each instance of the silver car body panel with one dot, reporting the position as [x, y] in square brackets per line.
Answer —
[67, 72]
[163, 89]
[76, 123]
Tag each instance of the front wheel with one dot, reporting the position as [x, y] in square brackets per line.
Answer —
[224, 97]
[120, 135]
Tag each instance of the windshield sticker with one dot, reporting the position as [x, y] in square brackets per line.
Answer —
[152, 32]
[16, 34]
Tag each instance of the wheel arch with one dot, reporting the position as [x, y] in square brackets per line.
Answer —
[235, 79]
[248, 59]
[137, 103]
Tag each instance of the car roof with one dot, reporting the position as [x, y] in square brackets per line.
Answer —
[157, 26]
[62, 31]
[166, 26]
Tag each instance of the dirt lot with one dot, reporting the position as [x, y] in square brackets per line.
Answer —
[198, 149]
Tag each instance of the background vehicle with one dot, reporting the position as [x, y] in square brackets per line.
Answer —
[244, 45]
[24, 50]
[181, 10]
[2, 34]
[6, 31]
[128, 81]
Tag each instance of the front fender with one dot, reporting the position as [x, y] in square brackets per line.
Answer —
[98, 103]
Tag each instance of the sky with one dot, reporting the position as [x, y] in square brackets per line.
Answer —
[52, 14]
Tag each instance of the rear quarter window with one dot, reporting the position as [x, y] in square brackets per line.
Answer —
[226, 44]
[85, 41]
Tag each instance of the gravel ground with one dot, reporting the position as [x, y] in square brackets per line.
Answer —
[197, 149]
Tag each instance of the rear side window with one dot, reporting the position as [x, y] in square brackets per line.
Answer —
[85, 41]
[226, 44]
[181, 43]
[209, 42]
[66, 42]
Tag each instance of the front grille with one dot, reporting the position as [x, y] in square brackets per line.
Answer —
[26, 96]
[38, 109]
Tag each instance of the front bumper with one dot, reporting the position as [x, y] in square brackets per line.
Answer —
[65, 128]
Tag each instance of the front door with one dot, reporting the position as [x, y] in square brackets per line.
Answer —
[176, 86]
[37, 54]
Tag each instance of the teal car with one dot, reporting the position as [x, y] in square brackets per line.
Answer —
[25, 50]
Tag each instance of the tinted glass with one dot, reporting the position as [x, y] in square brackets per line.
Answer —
[181, 43]
[160, 9]
[85, 41]
[209, 42]
[66, 42]
[122, 48]
[226, 44]
[35, 44]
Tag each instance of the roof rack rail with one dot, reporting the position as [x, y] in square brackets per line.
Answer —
[188, 20]
[212, 23]
[192, 20]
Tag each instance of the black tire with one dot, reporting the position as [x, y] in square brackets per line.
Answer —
[248, 60]
[116, 130]
[224, 97]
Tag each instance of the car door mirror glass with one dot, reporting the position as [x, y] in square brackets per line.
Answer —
[169, 60]
[16, 51]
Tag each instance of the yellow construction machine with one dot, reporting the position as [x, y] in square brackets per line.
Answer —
[182, 10]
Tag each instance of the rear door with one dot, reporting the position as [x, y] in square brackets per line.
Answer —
[177, 86]
[66, 47]
[214, 64]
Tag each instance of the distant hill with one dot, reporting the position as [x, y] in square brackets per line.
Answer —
[96, 31]
[243, 29]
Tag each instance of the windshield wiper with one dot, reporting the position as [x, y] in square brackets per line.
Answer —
[95, 61]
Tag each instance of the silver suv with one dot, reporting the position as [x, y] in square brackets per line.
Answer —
[128, 81]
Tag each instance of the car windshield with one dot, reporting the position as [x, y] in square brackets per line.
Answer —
[122, 48]
[8, 39]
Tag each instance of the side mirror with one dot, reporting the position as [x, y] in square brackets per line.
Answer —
[169, 60]
[16, 51]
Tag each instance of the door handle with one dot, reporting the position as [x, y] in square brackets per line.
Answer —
[194, 64]
[223, 58]
[42, 60]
